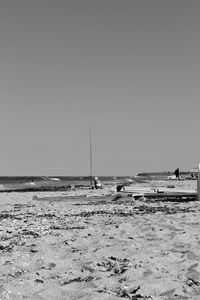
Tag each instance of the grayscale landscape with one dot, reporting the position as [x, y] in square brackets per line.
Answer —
[99, 149]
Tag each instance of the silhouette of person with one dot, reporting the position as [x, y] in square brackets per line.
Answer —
[177, 173]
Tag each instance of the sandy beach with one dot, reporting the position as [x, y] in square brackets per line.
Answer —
[91, 245]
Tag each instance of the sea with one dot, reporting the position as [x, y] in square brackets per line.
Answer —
[62, 183]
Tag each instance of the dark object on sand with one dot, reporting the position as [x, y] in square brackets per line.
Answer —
[120, 187]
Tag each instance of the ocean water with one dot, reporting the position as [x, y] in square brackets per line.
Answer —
[52, 183]
[62, 183]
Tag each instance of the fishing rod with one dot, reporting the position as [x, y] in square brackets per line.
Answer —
[91, 156]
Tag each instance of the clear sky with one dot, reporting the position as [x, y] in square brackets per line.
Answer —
[132, 67]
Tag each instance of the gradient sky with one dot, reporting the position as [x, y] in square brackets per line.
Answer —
[132, 67]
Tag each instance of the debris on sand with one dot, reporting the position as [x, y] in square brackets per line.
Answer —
[90, 247]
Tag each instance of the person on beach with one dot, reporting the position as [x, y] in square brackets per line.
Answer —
[120, 187]
[177, 173]
[97, 183]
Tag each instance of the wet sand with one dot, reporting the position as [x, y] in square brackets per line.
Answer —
[82, 247]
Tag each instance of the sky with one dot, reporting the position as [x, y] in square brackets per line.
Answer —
[131, 68]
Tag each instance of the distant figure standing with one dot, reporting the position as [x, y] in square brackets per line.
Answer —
[177, 173]
[97, 183]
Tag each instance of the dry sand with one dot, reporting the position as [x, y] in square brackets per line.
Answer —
[95, 248]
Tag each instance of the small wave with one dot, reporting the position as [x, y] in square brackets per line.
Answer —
[55, 179]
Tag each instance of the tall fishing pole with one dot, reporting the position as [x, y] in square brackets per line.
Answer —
[90, 155]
